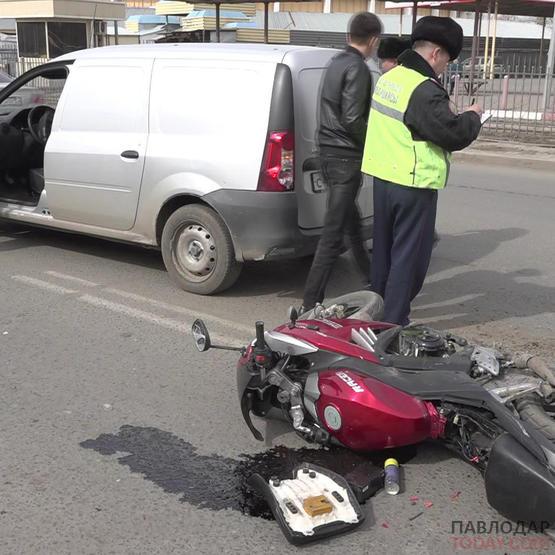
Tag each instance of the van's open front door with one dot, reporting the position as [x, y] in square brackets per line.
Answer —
[307, 68]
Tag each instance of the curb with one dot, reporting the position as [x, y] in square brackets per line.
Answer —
[514, 159]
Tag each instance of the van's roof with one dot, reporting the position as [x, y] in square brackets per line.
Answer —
[266, 52]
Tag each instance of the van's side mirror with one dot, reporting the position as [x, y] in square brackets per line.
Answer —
[201, 336]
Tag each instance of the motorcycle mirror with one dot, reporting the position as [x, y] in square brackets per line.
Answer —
[201, 336]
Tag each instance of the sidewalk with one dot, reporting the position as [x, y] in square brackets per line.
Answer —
[520, 155]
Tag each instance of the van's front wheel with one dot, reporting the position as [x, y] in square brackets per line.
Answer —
[198, 251]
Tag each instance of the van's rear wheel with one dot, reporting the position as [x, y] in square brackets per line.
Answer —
[198, 251]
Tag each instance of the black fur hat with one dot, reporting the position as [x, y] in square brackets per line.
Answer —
[392, 47]
[443, 31]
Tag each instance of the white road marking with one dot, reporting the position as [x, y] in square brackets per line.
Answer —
[169, 323]
[80, 281]
[182, 310]
[159, 304]
[44, 285]
[449, 302]
[434, 319]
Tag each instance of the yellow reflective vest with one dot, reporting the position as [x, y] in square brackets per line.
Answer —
[390, 152]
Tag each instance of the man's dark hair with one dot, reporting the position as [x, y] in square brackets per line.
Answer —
[363, 26]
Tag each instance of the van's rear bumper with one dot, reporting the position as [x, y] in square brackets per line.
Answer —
[263, 225]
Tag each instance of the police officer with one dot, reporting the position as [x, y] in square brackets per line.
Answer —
[389, 51]
[411, 133]
[343, 119]
[388, 54]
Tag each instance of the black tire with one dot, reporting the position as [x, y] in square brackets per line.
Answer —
[531, 410]
[198, 251]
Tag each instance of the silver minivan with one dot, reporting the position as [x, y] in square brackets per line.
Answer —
[204, 151]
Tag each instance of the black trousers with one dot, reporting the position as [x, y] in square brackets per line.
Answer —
[343, 179]
[404, 222]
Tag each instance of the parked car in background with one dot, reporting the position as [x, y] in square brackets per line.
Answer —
[480, 69]
[24, 97]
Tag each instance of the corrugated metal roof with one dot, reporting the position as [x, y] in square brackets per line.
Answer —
[178, 7]
[206, 20]
[305, 21]
[224, 14]
[125, 32]
[152, 19]
[257, 36]
[240, 25]
[338, 23]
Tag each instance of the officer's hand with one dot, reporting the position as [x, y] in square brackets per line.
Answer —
[475, 108]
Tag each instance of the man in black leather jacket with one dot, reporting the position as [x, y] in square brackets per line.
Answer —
[343, 118]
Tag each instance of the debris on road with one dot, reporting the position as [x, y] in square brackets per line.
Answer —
[313, 504]
[365, 481]
[455, 495]
[391, 483]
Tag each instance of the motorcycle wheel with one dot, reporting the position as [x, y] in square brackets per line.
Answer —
[531, 409]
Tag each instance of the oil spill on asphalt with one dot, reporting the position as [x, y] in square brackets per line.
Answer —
[215, 482]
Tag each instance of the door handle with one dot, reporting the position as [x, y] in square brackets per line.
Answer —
[130, 154]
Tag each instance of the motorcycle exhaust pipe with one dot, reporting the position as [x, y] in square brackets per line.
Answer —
[512, 392]
[540, 368]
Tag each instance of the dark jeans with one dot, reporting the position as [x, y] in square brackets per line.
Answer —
[404, 221]
[344, 179]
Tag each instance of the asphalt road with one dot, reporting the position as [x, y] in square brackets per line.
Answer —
[118, 437]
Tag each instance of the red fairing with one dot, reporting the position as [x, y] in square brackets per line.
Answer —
[438, 421]
[334, 335]
[373, 415]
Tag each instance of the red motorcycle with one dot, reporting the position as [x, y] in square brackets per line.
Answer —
[341, 376]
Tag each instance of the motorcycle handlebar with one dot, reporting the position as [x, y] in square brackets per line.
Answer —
[260, 342]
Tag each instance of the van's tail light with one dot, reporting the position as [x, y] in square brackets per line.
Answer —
[278, 165]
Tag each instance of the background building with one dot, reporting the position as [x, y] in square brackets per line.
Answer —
[49, 28]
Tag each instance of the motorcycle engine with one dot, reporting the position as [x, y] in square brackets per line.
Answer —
[421, 341]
